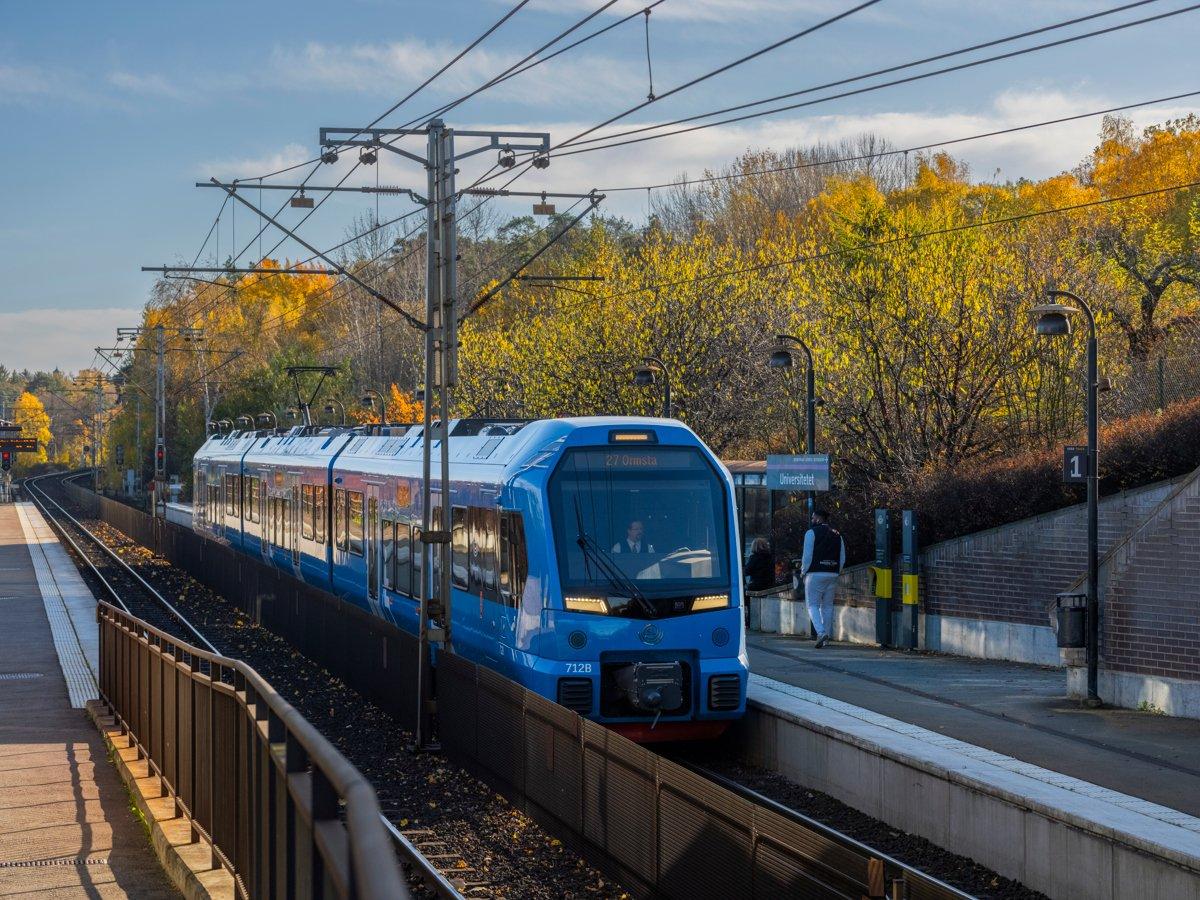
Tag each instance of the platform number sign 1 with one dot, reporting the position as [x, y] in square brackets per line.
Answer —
[1075, 465]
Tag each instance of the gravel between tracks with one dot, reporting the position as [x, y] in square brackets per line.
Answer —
[416, 790]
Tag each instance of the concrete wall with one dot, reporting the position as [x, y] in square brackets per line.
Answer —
[988, 594]
[1055, 834]
[1150, 609]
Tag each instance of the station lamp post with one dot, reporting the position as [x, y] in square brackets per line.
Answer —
[781, 358]
[329, 407]
[643, 376]
[370, 395]
[1054, 320]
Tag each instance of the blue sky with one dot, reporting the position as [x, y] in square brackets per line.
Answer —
[112, 110]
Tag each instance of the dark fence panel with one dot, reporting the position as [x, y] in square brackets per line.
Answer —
[254, 777]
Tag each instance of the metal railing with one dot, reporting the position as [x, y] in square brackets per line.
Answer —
[284, 811]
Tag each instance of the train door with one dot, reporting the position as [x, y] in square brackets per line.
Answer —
[373, 546]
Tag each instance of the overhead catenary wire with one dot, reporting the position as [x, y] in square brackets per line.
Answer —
[887, 70]
[875, 87]
[896, 239]
[915, 148]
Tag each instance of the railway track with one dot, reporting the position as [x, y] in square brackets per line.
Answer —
[418, 850]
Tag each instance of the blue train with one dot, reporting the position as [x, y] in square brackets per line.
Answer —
[594, 560]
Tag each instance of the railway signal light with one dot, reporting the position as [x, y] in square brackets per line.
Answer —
[160, 455]
[6, 460]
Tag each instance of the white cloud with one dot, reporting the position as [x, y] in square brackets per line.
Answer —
[1036, 153]
[392, 69]
[699, 10]
[151, 85]
[22, 83]
[253, 166]
[58, 338]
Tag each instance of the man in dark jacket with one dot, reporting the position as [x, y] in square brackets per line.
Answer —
[822, 563]
[760, 566]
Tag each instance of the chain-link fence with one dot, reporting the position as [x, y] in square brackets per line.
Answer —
[1152, 384]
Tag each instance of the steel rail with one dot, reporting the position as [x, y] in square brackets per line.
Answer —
[432, 878]
[908, 872]
[408, 853]
[159, 598]
[57, 526]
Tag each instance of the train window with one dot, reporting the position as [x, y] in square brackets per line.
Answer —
[307, 496]
[512, 559]
[404, 561]
[320, 512]
[340, 534]
[460, 537]
[435, 520]
[418, 560]
[252, 495]
[231, 495]
[389, 554]
[488, 538]
[355, 518]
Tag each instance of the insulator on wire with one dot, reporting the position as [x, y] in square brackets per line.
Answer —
[541, 161]
[367, 157]
[507, 158]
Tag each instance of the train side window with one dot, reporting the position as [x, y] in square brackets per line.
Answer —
[418, 560]
[388, 533]
[355, 518]
[489, 519]
[320, 512]
[230, 496]
[512, 559]
[460, 535]
[404, 560]
[252, 499]
[307, 496]
[340, 533]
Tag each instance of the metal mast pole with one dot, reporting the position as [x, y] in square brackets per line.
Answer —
[432, 312]
[446, 249]
[160, 408]
[1093, 502]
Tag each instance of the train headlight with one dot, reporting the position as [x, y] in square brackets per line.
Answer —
[710, 601]
[586, 604]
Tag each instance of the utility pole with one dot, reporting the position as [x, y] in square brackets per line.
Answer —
[160, 407]
[440, 330]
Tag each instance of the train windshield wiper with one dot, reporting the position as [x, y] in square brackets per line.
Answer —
[618, 581]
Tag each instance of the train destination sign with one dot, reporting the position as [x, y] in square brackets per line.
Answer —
[18, 444]
[798, 472]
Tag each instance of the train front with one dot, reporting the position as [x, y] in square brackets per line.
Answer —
[645, 623]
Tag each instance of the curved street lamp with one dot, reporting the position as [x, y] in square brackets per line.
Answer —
[643, 376]
[330, 401]
[1054, 320]
[781, 358]
[370, 395]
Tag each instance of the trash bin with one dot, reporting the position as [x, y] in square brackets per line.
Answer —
[1071, 612]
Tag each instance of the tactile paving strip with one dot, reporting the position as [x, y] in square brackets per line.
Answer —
[19, 676]
[81, 680]
[962, 748]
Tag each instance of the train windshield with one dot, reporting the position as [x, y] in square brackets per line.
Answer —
[651, 519]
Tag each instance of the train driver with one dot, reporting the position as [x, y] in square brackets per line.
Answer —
[634, 539]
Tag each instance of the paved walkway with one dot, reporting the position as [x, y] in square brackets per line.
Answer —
[66, 828]
[1017, 710]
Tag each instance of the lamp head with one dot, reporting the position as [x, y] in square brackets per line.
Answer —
[329, 407]
[1053, 319]
[368, 401]
[643, 376]
[781, 358]
[293, 413]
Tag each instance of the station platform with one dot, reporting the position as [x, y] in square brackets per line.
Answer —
[66, 827]
[988, 759]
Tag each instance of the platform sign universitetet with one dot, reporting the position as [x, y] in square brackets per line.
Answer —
[801, 472]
